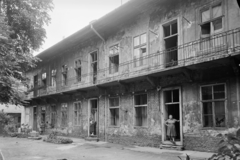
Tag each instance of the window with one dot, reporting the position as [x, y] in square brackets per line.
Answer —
[114, 111]
[140, 106]
[64, 115]
[140, 50]
[171, 43]
[114, 59]
[213, 103]
[78, 70]
[77, 113]
[94, 64]
[64, 75]
[53, 116]
[211, 19]
[53, 77]
[44, 79]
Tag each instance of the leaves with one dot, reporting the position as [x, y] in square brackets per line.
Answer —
[21, 32]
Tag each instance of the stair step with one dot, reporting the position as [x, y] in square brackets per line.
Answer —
[95, 139]
[171, 147]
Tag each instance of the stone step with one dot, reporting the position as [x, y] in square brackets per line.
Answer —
[171, 147]
[95, 139]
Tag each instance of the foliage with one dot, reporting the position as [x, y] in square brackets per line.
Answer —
[21, 32]
[52, 138]
[229, 147]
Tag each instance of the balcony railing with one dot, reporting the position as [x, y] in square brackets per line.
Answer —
[214, 47]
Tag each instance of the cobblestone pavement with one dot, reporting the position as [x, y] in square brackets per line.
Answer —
[25, 149]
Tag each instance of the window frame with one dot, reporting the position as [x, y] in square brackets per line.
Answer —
[114, 107]
[78, 67]
[213, 105]
[79, 114]
[139, 106]
[142, 60]
[53, 73]
[212, 19]
[113, 55]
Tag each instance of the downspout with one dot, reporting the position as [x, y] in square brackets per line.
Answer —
[104, 48]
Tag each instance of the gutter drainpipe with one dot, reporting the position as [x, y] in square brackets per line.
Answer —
[96, 32]
[105, 110]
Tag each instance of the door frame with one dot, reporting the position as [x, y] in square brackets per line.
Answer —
[163, 113]
[89, 112]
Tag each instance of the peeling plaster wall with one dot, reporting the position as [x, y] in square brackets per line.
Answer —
[150, 21]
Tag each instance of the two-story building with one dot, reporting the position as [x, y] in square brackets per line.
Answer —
[120, 77]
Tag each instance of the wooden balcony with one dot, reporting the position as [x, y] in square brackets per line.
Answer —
[215, 47]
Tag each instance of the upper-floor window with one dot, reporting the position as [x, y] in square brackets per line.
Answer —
[44, 79]
[213, 104]
[78, 70]
[114, 59]
[212, 20]
[114, 111]
[140, 106]
[140, 50]
[77, 113]
[64, 74]
[171, 43]
[53, 77]
[94, 64]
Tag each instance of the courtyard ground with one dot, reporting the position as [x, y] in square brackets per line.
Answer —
[25, 149]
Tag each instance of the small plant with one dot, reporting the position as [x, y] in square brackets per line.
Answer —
[229, 147]
[52, 138]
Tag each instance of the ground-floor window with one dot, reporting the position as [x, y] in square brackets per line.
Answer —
[64, 115]
[53, 116]
[77, 113]
[140, 108]
[214, 105]
[114, 111]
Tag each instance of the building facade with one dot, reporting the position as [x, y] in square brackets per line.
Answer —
[120, 77]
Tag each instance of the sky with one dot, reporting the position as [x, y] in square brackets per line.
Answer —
[69, 16]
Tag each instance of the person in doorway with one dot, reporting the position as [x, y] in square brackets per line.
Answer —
[171, 130]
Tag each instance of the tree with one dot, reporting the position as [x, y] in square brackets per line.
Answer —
[21, 32]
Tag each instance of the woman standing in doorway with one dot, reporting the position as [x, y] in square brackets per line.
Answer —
[171, 130]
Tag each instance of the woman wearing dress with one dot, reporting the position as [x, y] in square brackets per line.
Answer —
[171, 130]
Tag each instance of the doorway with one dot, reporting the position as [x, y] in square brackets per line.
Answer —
[171, 105]
[93, 118]
[35, 128]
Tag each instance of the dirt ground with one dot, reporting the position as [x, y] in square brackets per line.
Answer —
[25, 149]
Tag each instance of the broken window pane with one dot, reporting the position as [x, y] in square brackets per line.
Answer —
[207, 93]
[175, 95]
[168, 96]
[206, 15]
[206, 30]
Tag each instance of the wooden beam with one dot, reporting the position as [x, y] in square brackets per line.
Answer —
[152, 81]
[188, 73]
